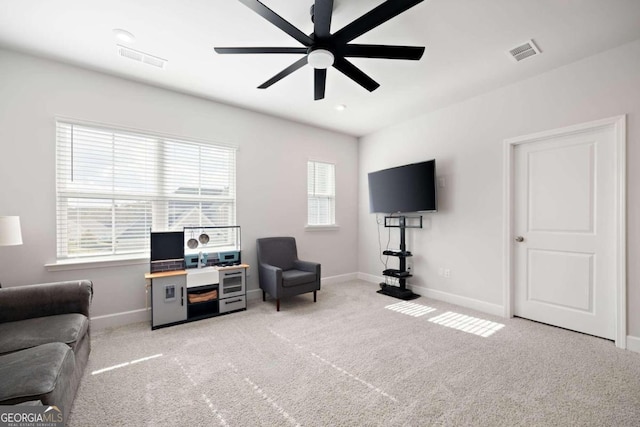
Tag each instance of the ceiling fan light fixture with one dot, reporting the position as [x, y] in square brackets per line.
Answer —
[320, 59]
[325, 49]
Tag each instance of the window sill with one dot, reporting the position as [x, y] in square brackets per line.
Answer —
[88, 263]
[334, 227]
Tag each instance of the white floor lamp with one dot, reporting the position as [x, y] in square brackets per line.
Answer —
[10, 234]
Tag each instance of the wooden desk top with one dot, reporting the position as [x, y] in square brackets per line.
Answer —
[165, 274]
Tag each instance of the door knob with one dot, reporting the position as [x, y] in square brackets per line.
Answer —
[519, 239]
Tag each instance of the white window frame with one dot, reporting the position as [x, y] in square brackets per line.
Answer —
[314, 195]
[159, 201]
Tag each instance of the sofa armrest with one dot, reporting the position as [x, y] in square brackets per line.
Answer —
[46, 299]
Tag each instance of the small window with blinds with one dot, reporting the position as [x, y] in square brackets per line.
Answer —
[114, 186]
[321, 193]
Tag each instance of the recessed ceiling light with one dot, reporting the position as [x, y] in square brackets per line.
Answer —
[124, 36]
[341, 107]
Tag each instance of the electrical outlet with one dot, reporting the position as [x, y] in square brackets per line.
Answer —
[441, 272]
[447, 273]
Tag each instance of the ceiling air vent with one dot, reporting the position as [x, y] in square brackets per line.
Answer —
[138, 56]
[524, 51]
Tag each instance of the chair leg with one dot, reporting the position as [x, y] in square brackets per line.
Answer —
[277, 304]
[264, 296]
[314, 296]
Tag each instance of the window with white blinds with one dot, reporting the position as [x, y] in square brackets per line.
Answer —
[114, 186]
[321, 190]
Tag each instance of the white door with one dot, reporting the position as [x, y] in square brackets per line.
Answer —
[564, 227]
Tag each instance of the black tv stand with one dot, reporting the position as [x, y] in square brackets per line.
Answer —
[397, 292]
[400, 291]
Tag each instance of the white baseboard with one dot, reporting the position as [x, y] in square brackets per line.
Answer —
[254, 294]
[633, 343]
[341, 278]
[144, 315]
[370, 278]
[474, 304]
[483, 306]
[120, 319]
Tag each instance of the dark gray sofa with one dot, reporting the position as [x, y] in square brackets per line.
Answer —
[44, 342]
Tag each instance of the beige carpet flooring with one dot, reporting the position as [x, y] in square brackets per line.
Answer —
[356, 358]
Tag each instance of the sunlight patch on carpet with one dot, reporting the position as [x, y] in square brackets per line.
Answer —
[355, 377]
[185, 372]
[282, 337]
[334, 366]
[472, 325]
[209, 403]
[122, 365]
[206, 399]
[410, 308]
[260, 392]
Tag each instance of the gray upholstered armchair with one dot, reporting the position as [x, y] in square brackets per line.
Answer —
[281, 273]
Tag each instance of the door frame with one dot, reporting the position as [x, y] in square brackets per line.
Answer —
[618, 123]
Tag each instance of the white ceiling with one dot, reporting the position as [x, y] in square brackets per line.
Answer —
[466, 43]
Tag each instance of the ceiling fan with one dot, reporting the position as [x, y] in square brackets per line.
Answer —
[321, 49]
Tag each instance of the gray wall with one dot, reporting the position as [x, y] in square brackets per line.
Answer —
[466, 235]
[271, 170]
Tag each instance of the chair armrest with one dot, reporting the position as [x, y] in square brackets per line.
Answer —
[46, 299]
[270, 278]
[311, 267]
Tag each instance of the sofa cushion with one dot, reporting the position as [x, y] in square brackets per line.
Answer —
[22, 334]
[34, 373]
[296, 277]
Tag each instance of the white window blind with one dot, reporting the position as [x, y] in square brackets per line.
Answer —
[321, 189]
[114, 186]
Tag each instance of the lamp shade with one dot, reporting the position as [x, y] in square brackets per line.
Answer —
[10, 233]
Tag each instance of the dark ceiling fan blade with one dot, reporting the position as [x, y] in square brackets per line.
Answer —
[322, 11]
[320, 83]
[382, 51]
[278, 21]
[260, 50]
[284, 73]
[355, 74]
[373, 18]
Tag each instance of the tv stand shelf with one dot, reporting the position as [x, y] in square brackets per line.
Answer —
[400, 291]
[397, 253]
[396, 273]
[397, 292]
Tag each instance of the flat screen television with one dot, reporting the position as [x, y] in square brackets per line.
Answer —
[167, 245]
[408, 188]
